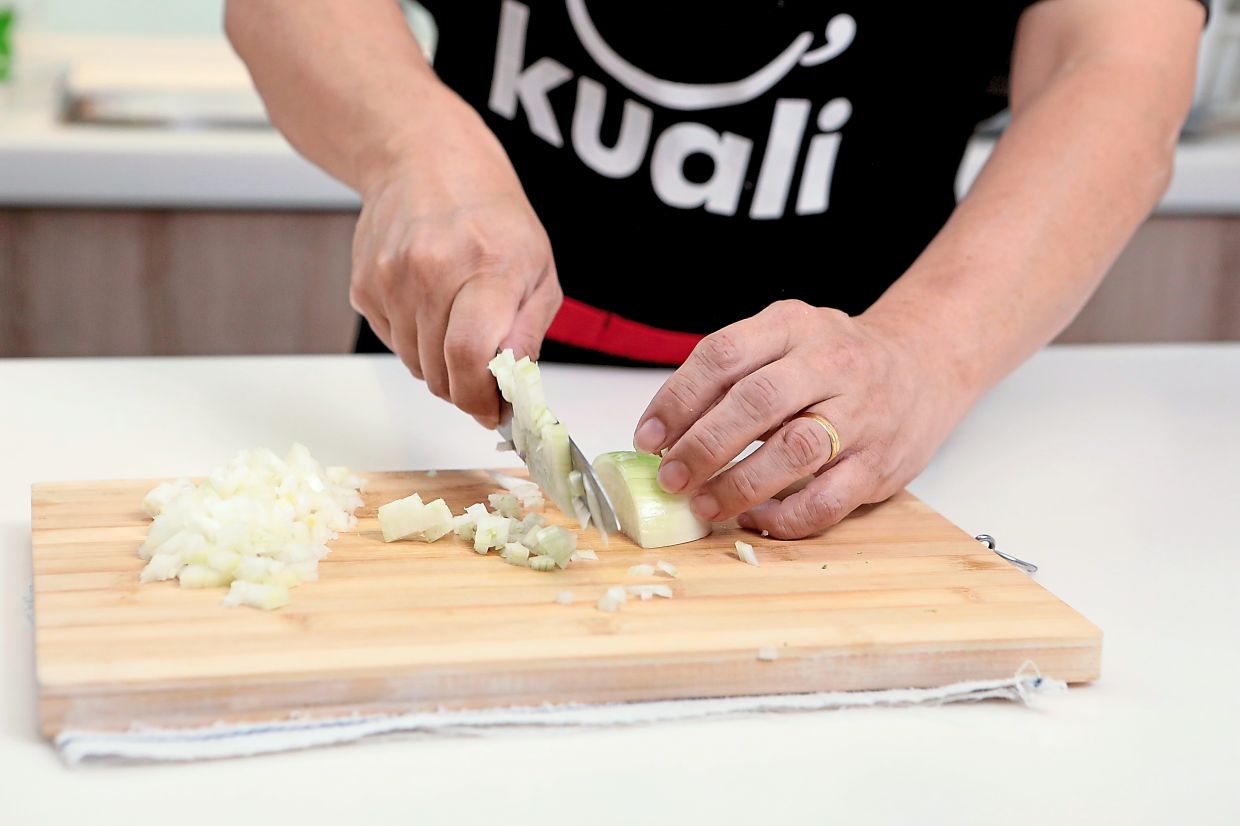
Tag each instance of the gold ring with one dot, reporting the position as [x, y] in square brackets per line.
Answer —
[831, 432]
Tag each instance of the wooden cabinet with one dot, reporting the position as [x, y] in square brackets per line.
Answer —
[125, 282]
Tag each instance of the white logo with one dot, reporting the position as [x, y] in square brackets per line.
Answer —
[515, 85]
[841, 30]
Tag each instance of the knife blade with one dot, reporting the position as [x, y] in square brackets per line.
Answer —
[602, 513]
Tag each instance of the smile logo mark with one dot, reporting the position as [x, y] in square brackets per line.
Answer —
[840, 31]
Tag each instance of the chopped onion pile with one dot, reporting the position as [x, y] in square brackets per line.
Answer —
[745, 551]
[526, 541]
[260, 524]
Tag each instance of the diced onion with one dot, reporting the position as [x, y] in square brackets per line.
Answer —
[584, 553]
[260, 520]
[668, 568]
[267, 597]
[564, 598]
[613, 599]
[505, 504]
[645, 592]
[745, 551]
[409, 518]
[491, 533]
[767, 653]
[515, 553]
[642, 570]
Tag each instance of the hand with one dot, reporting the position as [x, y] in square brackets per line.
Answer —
[450, 263]
[890, 403]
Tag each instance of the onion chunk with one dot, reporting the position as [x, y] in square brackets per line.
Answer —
[649, 515]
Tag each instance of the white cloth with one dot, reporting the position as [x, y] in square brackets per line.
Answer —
[245, 739]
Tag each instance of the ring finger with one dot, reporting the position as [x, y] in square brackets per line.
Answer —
[801, 447]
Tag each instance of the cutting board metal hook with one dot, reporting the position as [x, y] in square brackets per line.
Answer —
[989, 542]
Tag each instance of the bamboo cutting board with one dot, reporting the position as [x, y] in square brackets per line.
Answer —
[895, 596]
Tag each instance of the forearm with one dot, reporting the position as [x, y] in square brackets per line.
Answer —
[345, 82]
[1081, 166]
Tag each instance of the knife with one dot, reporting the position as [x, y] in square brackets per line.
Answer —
[602, 514]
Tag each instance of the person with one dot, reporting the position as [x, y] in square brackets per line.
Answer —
[761, 193]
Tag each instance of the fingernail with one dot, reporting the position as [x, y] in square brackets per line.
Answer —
[649, 437]
[705, 506]
[745, 521]
[673, 476]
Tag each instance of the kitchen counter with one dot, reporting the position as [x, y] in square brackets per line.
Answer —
[45, 162]
[1113, 468]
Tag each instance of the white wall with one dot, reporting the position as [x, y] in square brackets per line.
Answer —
[191, 17]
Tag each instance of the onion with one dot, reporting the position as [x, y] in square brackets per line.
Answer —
[767, 653]
[642, 570]
[505, 504]
[584, 553]
[645, 592]
[536, 434]
[259, 522]
[564, 598]
[613, 599]
[267, 597]
[745, 551]
[409, 518]
[668, 568]
[492, 532]
[515, 553]
[648, 515]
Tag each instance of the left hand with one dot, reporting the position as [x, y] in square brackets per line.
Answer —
[891, 402]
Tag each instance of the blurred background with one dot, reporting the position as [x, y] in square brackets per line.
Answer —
[147, 206]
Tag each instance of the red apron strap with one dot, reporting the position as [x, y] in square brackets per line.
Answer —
[590, 328]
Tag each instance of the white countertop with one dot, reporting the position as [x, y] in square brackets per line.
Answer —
[1115, 469]
[44, 162]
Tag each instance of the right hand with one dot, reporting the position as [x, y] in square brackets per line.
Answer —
[450, 263]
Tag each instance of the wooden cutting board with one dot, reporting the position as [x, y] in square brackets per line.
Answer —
[895, 596]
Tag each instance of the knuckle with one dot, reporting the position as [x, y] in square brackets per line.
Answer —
[824, 508]
[413, 366]
[742, 488]
[759, 396]
[683, 392]
[462, 347]
[803, 445]
[358, 299]
[790, 309]
[385, 265]
[720, 352]
[438, 386]
[847, 355]
[708, 441]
